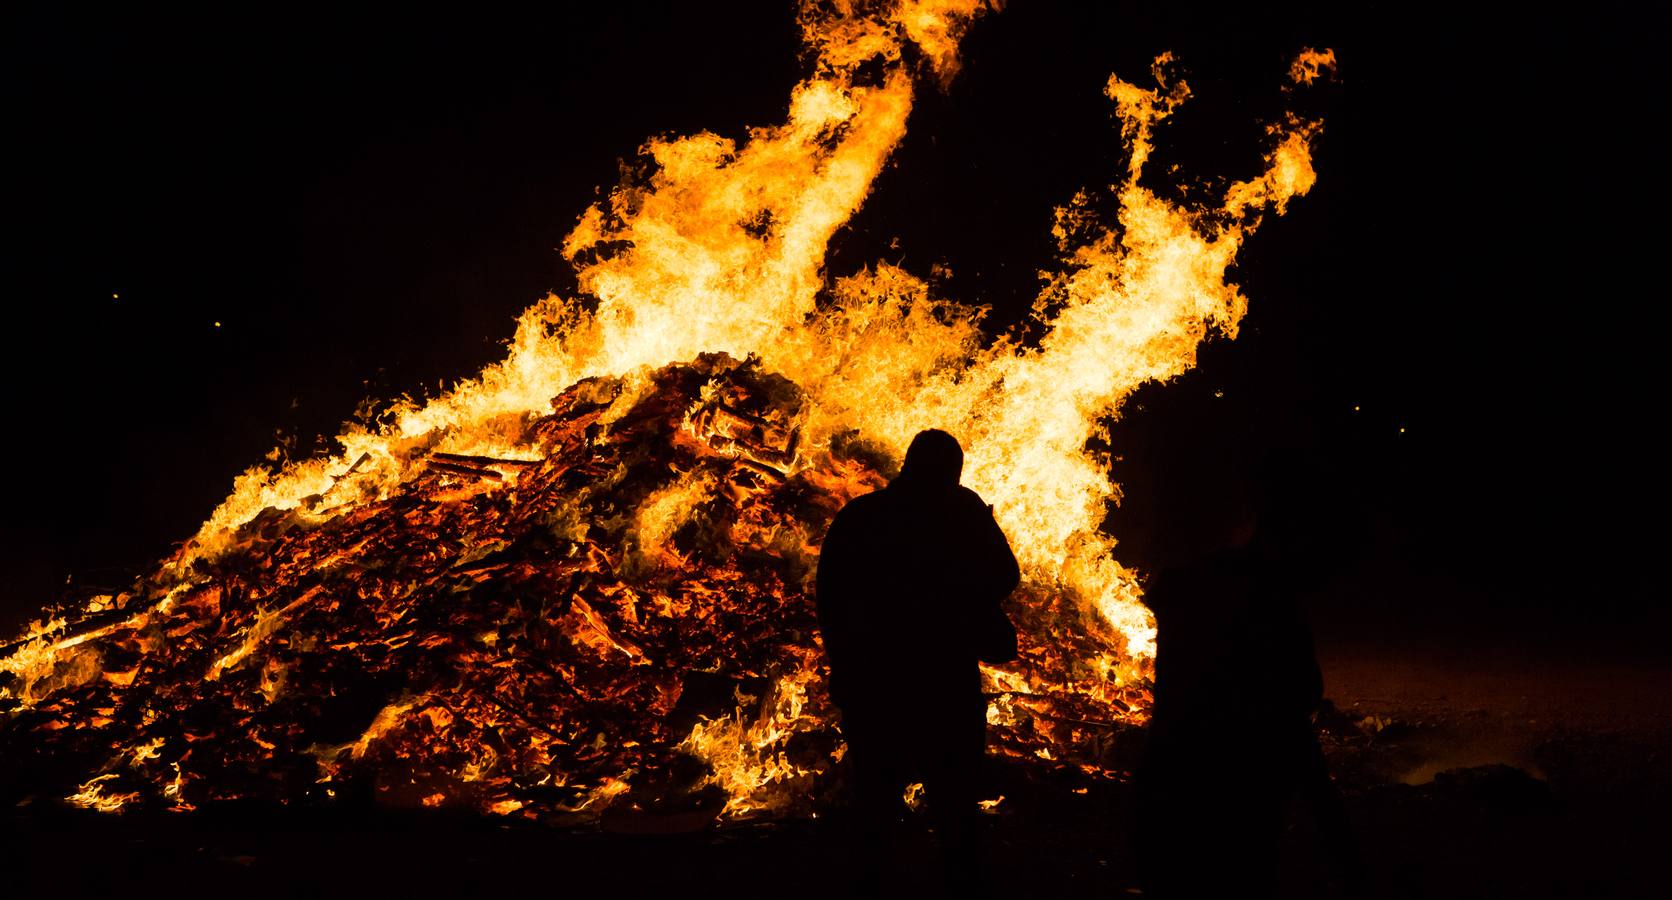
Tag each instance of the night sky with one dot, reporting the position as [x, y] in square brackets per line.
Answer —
[228, 229]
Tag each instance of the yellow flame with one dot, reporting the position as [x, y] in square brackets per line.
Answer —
[43, 665]
[266, 622]
[1131, 304]
[721, 247]
[662, 514]
[746, 752]
[387, 718]
[913, 796]
[604, 793]
[94, 794]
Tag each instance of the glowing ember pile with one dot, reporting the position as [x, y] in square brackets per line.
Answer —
[537, 634]
[539, 606]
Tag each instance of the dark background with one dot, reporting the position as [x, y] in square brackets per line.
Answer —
[365, 200]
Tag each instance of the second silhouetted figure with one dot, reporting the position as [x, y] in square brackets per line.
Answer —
[910, 581]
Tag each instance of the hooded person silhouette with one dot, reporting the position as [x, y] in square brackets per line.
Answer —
[910, 582]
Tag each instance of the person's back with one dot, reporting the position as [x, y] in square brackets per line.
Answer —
[1204, 783]
[909, 585]
[1230, 738]
[926, 564]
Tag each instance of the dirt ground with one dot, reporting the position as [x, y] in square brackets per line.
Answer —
[1508, 770]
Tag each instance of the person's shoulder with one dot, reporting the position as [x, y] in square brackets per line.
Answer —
[863, 505]
[969, 501]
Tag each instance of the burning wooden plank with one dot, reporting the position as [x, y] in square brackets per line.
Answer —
[481, 462]
[464, 471]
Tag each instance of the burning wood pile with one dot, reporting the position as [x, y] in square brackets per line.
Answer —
[625, 618]
[480, 604]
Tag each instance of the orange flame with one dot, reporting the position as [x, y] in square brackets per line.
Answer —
[1311, 64]
[721, 247]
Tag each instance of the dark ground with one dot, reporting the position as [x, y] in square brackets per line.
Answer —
[1467, 774]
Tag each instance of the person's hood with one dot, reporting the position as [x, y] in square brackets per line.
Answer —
[934, 460]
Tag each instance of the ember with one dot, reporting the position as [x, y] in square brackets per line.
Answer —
[542, 607]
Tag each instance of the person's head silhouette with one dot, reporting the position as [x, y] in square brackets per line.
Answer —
[934, 459]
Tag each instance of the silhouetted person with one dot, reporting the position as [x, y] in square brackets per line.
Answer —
[1231, 739]
[910, 580]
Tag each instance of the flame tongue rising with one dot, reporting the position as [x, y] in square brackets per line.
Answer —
[523, 612]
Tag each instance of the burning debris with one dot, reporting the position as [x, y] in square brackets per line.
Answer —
[482, 604]
[626, 615]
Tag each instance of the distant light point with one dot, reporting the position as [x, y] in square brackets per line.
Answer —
[1355, 409]
[1401, 429]
[217, 325]
[115, 296]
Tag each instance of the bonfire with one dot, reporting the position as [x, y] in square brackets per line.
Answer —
[581, 580]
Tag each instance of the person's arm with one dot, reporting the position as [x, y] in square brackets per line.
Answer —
[1004, 573]
[832, 590]
[998, 575]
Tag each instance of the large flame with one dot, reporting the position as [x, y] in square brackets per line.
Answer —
[719, 246]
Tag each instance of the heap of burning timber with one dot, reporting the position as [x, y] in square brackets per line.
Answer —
[624, 619]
